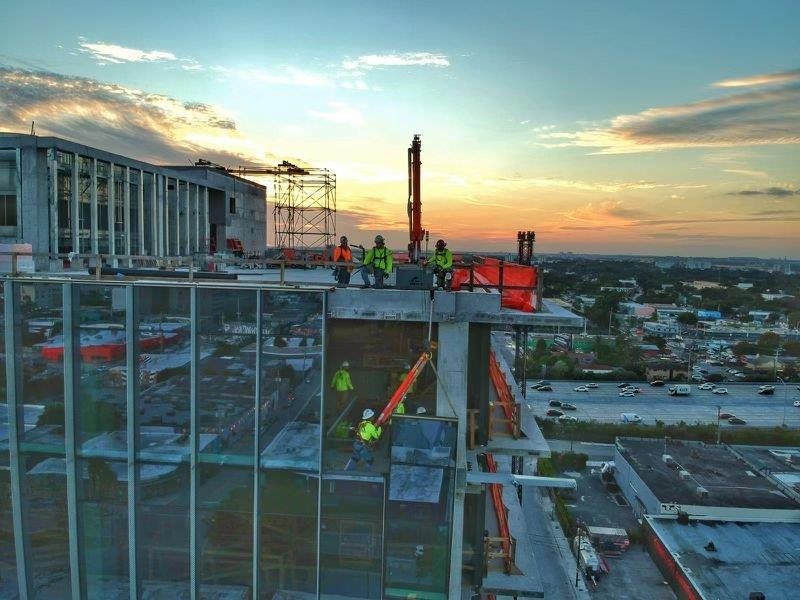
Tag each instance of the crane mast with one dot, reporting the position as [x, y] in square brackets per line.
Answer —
[415, 231]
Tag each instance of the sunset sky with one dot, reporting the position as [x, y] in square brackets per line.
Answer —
[627, 127]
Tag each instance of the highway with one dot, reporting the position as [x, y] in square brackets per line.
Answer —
[654, 403]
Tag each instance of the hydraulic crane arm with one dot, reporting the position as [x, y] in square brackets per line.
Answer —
[402, 389]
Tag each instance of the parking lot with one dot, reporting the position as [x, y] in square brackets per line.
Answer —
[655, 403]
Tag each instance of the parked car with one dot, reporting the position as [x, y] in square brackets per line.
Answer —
[727, 415]
[581, 388]
[706, 386]
[737, 421]
[568, 406]
[554, 413]
[567, 418]
[697, 377]
[657, 383]
[544, 388]
[592, 386]
[555, 403]
[720, 391]
[740, 376]
[627, 394]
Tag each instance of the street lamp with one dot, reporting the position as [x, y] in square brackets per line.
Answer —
[783, 421]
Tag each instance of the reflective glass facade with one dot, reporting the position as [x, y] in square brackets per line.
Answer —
[166, 440]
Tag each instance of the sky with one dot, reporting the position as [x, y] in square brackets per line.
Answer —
[606, 127]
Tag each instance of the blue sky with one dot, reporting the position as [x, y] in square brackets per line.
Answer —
[607, 127]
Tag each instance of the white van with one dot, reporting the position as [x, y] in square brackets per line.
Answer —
[630, 418]
[680, 390]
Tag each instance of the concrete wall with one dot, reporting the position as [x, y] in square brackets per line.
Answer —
[634, 488]
[732, 513]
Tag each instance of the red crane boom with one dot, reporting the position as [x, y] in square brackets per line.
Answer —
[415, 231]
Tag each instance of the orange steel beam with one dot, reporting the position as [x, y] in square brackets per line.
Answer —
[402, 389]
[499, 508]
[502, 389]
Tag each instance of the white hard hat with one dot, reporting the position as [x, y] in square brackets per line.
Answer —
[421, 410]
[345, 364]
[407, 366]
[368, 413]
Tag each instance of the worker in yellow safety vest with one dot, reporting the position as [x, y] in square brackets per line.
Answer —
[343, 385]
[379, 262]
[442, 261]
[367, 434]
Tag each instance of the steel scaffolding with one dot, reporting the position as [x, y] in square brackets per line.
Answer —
[304, 213]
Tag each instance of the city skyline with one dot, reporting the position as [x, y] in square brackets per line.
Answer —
[623, 129]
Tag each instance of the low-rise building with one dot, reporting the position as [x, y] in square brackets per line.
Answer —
[666, 370]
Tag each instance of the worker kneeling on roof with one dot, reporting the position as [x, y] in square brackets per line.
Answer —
[442, 260]
[366, 436]
[378, 261]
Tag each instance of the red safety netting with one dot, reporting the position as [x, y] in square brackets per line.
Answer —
[488, 273]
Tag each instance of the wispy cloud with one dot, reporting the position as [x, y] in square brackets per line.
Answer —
[407, 59]
[758, 80]
[114, 53]
[755, 117]
[610, 187]
[125, 120]
[775, 192]
[339, 112]
[746, 172]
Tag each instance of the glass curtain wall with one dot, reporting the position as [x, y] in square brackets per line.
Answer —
[226, 406]
[162, 440]
[84, 204]
[120, 182]
[172, 218]
[8, 562]
[289, 442]
[64, 200]
[148, 216]
[9, 182]
[100, 400]
[102, 207]
[40, 382]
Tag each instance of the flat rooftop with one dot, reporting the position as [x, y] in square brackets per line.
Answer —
[730, 481]
[748, 557]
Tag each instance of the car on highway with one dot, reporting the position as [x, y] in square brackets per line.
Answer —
[567, 419]
[720, 391]
[581, 388]
[622, 385]
[630, 418]
[554, 413]
[657, 383]
[740, 376]
[541, 382]
[698, 377]
[797, 403]
[766, 390]
[544, 388]
[568, 406]
[737, 421]
[726, 415]
[592, 386]
[555, 403]
[706, 386]
[627, 394]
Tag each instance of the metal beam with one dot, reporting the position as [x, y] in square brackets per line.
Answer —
[257, 448]
[132, 389]
[194, 429]
[481, 477]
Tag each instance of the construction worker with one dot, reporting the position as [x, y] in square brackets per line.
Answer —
[378, 261]
[442, 260]
[342, 253]
[366, 436]
[343, 385]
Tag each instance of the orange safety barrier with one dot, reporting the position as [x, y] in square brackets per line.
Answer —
[499, 508]
[517, 283]
[503, 392]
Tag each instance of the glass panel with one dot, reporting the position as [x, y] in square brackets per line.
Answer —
[193, 218]
[85, 204]
[351, 539]
[147, 240]
[64, 206]
[100, 415]
[172, 220]
[134, 211]
[162, 441]
[102, 207]
[41, 384]
[291, 363]
[8, 563]
[202, 206]
[119, 209]
[226, 404]
[419, 507]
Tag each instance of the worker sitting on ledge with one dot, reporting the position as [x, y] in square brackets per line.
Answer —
[378, 261]
[442, 261]
[366, 436]
[342, 253]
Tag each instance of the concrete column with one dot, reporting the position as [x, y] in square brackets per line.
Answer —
[206, 222]
[112, 210]
[127, 211]
[94, 225]
[177, 217]
[166, 216]
[140, 225]
[53, 162]
[451, 395]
